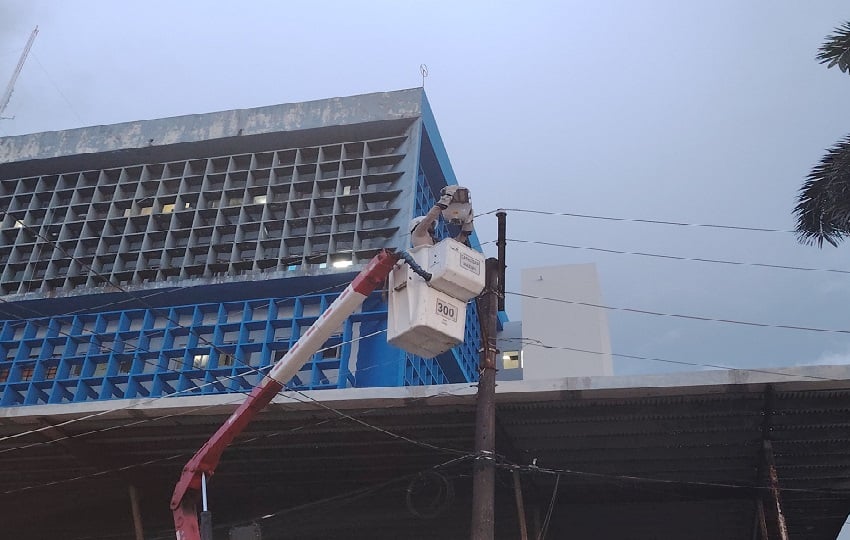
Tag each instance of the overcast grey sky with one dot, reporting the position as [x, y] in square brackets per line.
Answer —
[700, 112]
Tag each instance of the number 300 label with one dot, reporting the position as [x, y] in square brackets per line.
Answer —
[444, 309]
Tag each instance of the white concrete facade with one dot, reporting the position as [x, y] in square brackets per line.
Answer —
[562, 339]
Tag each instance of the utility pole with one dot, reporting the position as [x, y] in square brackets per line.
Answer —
[7, 95]
[484, 469]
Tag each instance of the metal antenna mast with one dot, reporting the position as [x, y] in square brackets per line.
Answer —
[7, 95]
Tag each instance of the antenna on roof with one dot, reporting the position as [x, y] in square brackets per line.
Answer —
[423, 69]
[7, 95]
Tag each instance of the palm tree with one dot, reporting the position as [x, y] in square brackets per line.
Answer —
[823, 204]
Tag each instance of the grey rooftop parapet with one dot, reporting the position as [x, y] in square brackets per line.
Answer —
[339, 111]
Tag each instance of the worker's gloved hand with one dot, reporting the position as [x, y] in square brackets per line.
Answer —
[466, 226]
[448, 190]
[447, 195]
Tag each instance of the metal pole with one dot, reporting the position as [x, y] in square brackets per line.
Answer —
[520, 507]
[206, 515]
[484, 471]
[137, 513]
[500, 244]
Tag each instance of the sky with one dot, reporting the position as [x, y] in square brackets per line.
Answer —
[694, 112]
[700, 112]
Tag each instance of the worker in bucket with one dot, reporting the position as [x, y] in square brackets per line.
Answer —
[455, 207]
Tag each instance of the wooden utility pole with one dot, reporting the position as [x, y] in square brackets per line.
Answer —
[484, 469]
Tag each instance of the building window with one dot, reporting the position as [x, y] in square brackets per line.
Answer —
[199, 361]
[511, 359]
[225, 360]
[175, 363]
[27, 373]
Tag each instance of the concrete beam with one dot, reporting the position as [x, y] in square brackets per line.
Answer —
[341, 111]
[507, 392]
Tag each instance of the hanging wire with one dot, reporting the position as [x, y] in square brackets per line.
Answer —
[680, 315]
[677, 257]
[634, 220]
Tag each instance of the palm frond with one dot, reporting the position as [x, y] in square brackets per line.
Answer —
[823, 203]
[836, 49]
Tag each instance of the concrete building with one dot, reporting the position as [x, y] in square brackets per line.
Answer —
[186, 255]
[561, 334]
[152, 270]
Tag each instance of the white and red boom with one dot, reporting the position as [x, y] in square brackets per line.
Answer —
[188, 491]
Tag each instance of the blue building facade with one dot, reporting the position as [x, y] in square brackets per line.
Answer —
[186, 255]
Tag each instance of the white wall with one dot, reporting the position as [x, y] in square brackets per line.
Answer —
[564, 325]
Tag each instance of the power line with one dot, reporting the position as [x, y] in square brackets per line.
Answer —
[678, 258]
[118, 286]
[56, 87]
[153, 308]
[339, 416]
[634, 220]
[381, 430]
[537, 343]
[504, 464]
[190, 391]
[338, 500]
[97, 307]
[680, 315]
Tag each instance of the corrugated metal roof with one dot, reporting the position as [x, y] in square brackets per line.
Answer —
[639, 458]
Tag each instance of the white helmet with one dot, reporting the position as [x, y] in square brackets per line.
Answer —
[415, 222]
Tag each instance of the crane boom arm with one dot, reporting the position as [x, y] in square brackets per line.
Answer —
[203, 463]
[7, 95]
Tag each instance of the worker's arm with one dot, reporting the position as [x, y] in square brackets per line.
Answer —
[465, 231]
[420, 236]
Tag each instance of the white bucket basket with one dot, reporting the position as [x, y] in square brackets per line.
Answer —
[428, 318]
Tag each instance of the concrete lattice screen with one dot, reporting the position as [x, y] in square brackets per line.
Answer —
[225, 215]
[135, 256]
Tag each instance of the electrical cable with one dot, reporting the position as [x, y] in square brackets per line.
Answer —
[341, 415]
[94, 308]
[56, 86]
[441, 500]
[342, 498]
[337, 418]
[259, 370]
[189, 391]
[537, 343]
[679, 315]
[679, 362]
[606, 476]
[108, 281]
[378, 429]
[545, 528]
[633, 220]
[641, 311]
[679, 258]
